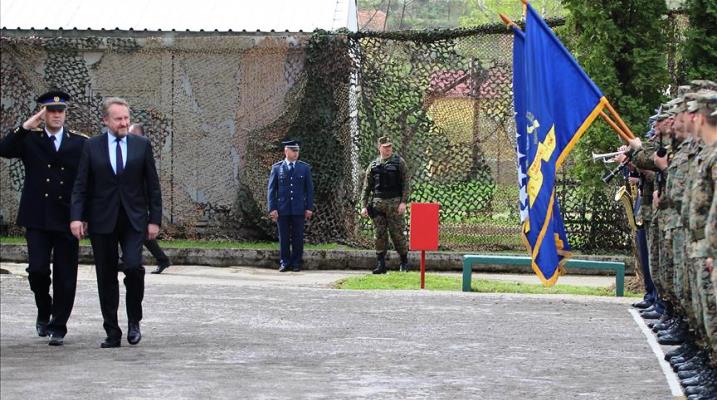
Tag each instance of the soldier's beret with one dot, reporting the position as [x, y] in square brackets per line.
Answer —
[54, 100]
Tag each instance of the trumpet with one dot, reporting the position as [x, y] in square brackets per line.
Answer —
[605, 156]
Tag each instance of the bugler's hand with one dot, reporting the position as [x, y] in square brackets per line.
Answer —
[635, 143]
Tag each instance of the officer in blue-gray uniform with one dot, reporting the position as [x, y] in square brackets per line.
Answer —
[290, 196]
[50, 155]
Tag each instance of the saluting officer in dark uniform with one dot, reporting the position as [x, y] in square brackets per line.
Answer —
[385, 194]
[50, 155]
[290, 196]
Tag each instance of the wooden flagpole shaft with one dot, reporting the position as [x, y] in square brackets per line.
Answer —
[624, 127]
[614, 126]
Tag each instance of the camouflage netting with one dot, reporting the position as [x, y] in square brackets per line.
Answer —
[216, 106]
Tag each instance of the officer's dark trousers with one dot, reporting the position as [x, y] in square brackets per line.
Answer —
[157, 253]
[291, 239]
[62, 249]
[104, 247]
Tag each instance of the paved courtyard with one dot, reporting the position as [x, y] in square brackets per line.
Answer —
[234, 333]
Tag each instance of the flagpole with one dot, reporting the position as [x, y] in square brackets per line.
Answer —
[619, 120]
[507, 21]
[614, 126]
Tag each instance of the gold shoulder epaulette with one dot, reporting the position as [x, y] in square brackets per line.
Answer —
[79, 134]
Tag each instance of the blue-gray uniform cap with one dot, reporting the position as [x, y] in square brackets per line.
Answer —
[54, 100]
[292, 144]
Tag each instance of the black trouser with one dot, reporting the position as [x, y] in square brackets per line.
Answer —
[104, 247]
[64, 248]
[157, 253]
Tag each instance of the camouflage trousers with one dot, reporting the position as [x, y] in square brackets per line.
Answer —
[709, 306]
[653, 243]
[387, 221]
[667, 268]
[681, 280]
[707, 303]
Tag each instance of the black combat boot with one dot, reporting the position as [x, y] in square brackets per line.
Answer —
[403, 267]
[380, 263]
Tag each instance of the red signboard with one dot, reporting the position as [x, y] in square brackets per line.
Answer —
[424, 226]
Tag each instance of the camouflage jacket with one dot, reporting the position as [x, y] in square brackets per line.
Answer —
[711, 225]
[671, 200]
[647, 186]
[701, 195]
[643, 160]
[693, 149]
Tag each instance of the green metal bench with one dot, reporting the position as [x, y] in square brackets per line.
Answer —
[470, 260]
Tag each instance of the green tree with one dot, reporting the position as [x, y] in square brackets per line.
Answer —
[700, 50]
[481, 12]
[621, 46]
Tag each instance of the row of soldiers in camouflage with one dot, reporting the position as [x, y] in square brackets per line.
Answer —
[678, 169]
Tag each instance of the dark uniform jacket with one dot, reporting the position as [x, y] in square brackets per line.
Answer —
[290, 193]
[49, 176]
[98, 192]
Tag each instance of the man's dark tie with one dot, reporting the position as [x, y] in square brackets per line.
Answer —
[52, 142]
[120, 164]
[291, 167]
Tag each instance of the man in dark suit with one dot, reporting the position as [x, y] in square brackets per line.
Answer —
[290, 197]
[50, 156]
[117, 193]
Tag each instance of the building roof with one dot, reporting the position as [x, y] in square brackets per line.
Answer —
[180, 15]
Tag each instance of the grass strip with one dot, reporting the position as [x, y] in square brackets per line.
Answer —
[412, 281]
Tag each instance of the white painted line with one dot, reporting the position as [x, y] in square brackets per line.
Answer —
[672, 379]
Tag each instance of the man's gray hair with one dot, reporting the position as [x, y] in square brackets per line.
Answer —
[110, 101]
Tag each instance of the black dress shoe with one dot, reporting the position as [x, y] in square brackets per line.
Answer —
[650, 315]
[677, 351]
[133, 333]
[670, 340]
[160, 268]
[690, 390]
[296, 268]
[651, 308]
[41, 328]
[110, 343]
[687, 374]
[283, 268]
[642, 304]
[56, 340]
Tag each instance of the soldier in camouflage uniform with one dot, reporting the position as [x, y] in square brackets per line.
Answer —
[702, 193]
[385, 194]
[673, 330]
[672, 202]
[643, 160]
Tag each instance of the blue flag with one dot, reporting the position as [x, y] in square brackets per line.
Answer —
[555, 103]
[521, 135]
